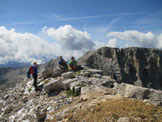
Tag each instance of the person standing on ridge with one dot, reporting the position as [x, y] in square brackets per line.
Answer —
[33, 70]
[63, 64]
[73, 64]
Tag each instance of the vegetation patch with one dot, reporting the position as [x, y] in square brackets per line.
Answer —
[46, 81]
[29, 89]
[112, 110]
[70, 93]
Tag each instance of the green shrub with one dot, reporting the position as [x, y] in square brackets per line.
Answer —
[70, 93]
[29, 89]
[81, 85]
[46, 81]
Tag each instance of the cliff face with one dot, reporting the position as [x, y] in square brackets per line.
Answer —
[138, 66]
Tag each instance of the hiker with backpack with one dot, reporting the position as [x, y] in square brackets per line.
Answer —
[33, 71]
[63, 64]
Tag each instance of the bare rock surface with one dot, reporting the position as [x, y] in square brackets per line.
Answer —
[137, 66]
[62, 96]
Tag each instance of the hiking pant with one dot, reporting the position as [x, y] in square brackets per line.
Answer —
[35, 80]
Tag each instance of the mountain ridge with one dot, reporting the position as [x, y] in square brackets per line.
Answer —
[138, 66]
[87, 95]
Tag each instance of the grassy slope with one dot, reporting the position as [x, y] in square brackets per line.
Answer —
[111, 110]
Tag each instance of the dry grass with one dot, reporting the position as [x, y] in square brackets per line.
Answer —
[112, 110]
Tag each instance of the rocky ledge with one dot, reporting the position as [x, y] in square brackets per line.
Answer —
[61, 98]
[116, 85]
[137, 66]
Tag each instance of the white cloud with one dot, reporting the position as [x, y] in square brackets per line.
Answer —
[21, 47]
[70, 38]
[111, 43]
[27, 47]
[148, 39]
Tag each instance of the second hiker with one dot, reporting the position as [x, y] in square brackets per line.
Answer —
[63, 64]
[73, 64]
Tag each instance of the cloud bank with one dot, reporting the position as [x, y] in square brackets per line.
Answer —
[66, 41]
[148, 39]
[27, 47]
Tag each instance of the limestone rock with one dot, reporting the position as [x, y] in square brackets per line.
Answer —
[140, 93]
[66, 83]
[52, 69]
[47, 72]
[73, 84]
[77, 90]
[57, 72]
[55, 85]
[67, 75]
[139, 66]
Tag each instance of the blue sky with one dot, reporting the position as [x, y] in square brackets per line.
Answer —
[97, 17]
[32, 15]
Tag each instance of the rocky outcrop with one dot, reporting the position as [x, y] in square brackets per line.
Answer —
[137, 66]
[140, 93]
[67, 95]
[53, 86]
[94, 93]
[52, 69]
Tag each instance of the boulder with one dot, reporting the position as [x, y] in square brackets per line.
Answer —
[66, 83]
[140, 93]
[73, 84]
[77, 90]
[47, 72]
[67, 75]
[76, 87]
[55, 85]
[51, 69]
[57, 72]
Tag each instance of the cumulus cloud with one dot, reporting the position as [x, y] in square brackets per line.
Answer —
[27, 47]
[148, 39]
[111, 43]
[69, 37]
[21, 47]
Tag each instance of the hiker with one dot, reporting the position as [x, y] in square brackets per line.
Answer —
[73, 64]
[62, 64]
[33, 70]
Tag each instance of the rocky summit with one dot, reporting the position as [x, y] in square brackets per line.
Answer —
[137, 66]
[88, 95]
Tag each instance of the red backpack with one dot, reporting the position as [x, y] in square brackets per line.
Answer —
[31, 70]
